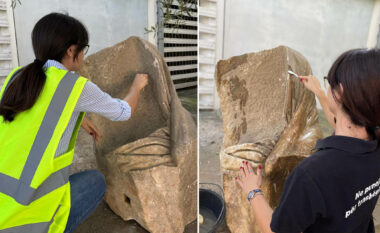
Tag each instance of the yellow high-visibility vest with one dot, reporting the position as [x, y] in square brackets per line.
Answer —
[34, 186]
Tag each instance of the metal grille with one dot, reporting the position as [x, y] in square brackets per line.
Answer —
[178, 44]
[207, 53]
[5, 44]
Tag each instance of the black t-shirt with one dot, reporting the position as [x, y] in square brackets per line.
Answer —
[334, 190]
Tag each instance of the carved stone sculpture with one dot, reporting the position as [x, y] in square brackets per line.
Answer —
[269, 118]
[149, 161]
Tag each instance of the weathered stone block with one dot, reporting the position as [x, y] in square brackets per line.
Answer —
[149, 161]
[269, 118]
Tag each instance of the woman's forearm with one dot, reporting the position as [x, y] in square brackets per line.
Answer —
[132, 98]
[312, 83]
[262, 212]
[324, 103]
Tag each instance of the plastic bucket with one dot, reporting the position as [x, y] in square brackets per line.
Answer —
[211, 207]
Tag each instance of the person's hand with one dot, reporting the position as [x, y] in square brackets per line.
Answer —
[248, 179]
[312, 83]
[91, 129]
[140, 81]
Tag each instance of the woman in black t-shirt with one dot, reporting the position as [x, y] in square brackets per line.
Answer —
[335, 189]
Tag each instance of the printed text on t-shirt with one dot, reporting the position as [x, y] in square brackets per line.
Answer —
[369, 192]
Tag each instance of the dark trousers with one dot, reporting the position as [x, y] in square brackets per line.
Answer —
[87, 191]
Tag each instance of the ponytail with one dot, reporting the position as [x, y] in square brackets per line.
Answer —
[22, 93]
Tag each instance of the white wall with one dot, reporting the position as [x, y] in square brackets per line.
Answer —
[320, 29]
[107, 22]
[373, 34]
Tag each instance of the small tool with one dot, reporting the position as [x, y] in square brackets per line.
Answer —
[291, 72]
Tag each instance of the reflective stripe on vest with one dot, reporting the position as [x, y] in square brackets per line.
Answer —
[20, 189]
[24, 194]
[31, 228]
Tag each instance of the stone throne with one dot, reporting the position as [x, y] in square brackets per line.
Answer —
[149, 161]
[269, 118]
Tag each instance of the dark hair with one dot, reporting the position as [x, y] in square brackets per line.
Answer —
[358, 71]
[52, 35]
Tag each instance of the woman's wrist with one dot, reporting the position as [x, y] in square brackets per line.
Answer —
[257, 200]
[253, 193]
[320, 93]
[136, 87]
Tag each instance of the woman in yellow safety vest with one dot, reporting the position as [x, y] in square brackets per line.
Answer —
[42, 106]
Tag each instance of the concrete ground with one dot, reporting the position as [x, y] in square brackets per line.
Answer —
[210, 140]
[103, 220]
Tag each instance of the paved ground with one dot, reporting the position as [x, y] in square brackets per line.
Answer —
[103, 220]
[210, 139]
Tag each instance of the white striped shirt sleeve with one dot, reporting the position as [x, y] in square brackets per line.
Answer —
[94, 100]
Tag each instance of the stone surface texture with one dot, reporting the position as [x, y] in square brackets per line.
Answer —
[269, 118]
[149, 161]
